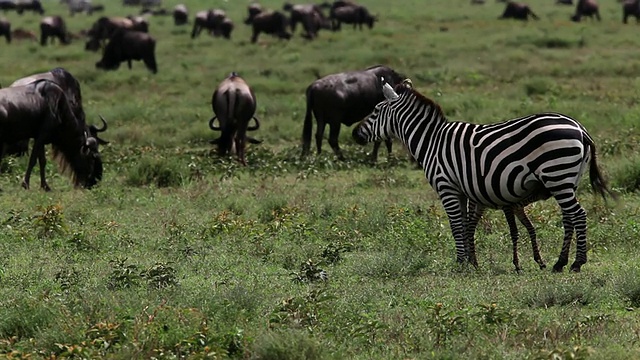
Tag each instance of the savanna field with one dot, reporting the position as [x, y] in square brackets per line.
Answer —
[179, 253]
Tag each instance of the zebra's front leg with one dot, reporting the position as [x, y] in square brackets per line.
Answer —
[456, 208]
[522, 216]
[474, 215]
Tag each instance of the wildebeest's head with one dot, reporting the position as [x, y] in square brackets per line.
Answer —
[234, 105]
[252, 10]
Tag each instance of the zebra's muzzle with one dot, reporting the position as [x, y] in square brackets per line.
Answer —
[358, 136]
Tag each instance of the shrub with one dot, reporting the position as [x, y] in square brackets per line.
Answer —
[158, 172]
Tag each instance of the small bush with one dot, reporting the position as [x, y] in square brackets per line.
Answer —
[158, 172]
[286, 345]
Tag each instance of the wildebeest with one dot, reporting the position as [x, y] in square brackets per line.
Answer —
[41, 111]
[518, 11]
[252, 10]
[5, 29]
[126, 45]
[103, 28]
[587, 8]
[180, 14]
[29, 5]
[344, 98]
[215, 21]
[7, 5]
[234, 105]
[269, 22]
[564, 2]
[83, 6]
[310, 16]
[53, 27]
[630, 8]
[351, 14]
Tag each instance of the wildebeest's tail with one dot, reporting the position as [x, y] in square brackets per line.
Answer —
[308, 123]
[534, 16]
[598, 183]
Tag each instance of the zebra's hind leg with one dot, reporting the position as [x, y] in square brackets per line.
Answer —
[513, 231]
[522, 216]
[572, 214]
[580, 226]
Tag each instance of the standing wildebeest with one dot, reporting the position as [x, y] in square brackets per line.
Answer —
[518, 11]
[53, 27]
[215, 21]
[127, 45]
[310, 16]
[7, 5]
[587, 8]
[234, 105]
[29, 5]
[630, 8]
[351, 14]
[105, 27]
[344, 98]
[180, 14]
[269, 22]
[41, 111]
[5, 29]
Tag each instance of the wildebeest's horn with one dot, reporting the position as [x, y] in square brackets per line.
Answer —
[253, 141]
[257, 125]
[211, 126]
[104, 125]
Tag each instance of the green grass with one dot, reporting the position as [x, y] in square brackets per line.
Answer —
[181, 254]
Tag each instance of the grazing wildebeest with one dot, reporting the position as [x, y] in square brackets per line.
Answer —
[41, 111]
[126, 45]
[53, 27]
[71, 88]
[7, 5]
[518, 11]
[22, 34]
[630, 8]
[213, 21]
[351, 14]
[29, 5]
[310, 16]
[180, 14]
[103, 28]
[5, 29]
[344, 98]
[234, 105]
[269, 22]
[587, 8]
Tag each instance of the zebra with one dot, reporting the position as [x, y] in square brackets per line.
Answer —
[504, 165]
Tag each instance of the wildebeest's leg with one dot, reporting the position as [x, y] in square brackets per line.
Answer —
[150, 62]
[522, 216]
[319, 132]
[254, 37]
[42, 162]
[129, 63]
[38, 147]
[240, 147]
[334, 133]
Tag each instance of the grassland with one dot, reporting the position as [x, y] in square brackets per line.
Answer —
[181, 254]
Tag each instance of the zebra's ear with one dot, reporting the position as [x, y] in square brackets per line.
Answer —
[388, 91]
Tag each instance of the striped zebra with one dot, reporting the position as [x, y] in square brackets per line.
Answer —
[504, 165]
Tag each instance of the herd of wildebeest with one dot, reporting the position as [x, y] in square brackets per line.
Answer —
[47, 107]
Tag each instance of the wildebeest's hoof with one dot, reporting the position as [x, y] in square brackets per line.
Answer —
[25, 185]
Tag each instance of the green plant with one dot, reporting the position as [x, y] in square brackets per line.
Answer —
[50, 221]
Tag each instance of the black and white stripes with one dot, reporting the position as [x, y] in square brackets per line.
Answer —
[505, 165]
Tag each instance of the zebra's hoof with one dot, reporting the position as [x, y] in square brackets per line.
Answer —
[557, 268]
[575, 267]
[543, 266]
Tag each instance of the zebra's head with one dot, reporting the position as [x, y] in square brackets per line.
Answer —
[378, 125]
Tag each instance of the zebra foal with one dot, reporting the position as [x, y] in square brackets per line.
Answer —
[504, 165]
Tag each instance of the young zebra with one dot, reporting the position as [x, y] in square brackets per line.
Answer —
[504, 165]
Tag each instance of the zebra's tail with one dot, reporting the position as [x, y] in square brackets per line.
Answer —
[598, 183]
[308, 124]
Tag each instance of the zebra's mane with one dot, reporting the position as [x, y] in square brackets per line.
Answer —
[401, 89]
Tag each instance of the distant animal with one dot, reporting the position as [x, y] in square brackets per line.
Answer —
[53, 27]
[5, 29]
[41, 111]
[71, 87]
[473, 168]
[103, 28]
[180, 14]
[343, 98]
[83, 6]
[631, 8]
[269, 22]
[7, 5]
[252, 10]
[357, 15]
[23, 34]
[518, 11]
[310, 16]
[477, 2]
[126, 45]
[213, 21]
[234, 105]
[154, 12]
[29, 5]
[564, 2]
[588, 8]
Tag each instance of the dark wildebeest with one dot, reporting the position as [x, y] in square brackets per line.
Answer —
[344, 98]
[83, 6]
[269, 22]
[71, 88]
[127, 45]
[7, 5]
[53, 27]
[180, 14]
[630, 8]
[564, 2]
[234, 105]
[29, 5]
[351, 14]
[518, 11]
[41, 111]
[587, 8]
[310, 16]
[252, 10]
[105, 27]
[215, 21]
[5, 29]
